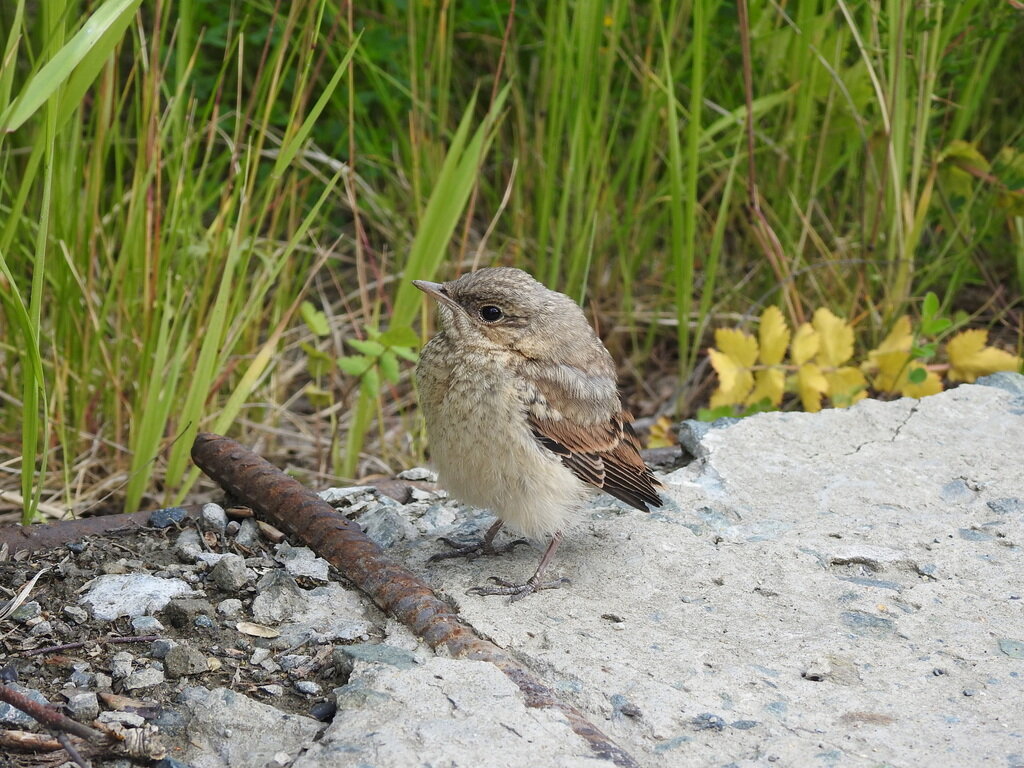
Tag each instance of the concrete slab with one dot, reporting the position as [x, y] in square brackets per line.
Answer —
[842, 588]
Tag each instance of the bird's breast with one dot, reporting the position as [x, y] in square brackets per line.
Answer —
[481, 444]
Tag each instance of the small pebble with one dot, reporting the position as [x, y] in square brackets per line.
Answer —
[230, 607]
[417, 473]
[308, 687]
[83, 706]
[273, 689]
[170, 762]
[144, 678]
[82, 676]
[121, 665]
[40, 629]
[76, 614]
[26, 611]
[708, 721]
[130, 719]
[161, 647]
[187, 546]
[146, 625]
[184, 660]
[293, 660]
[323, 711]
[203, 622]
[212, 517]
[165, 518]
[230, 574]
[248, 535]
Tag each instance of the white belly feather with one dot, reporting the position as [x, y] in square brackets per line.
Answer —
[486, 455]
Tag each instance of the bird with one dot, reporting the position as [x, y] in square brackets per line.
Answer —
[522, 413]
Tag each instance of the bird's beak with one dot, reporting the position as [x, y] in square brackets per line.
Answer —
[435, 291]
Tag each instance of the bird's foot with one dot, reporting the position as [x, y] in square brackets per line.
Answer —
[516, 591]
[474, 550]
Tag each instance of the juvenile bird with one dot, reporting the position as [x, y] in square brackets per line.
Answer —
[522, 412]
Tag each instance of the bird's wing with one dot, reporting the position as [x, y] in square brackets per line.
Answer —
[605, 454]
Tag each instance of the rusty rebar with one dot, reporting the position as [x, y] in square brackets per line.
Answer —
[395, 589]
[47, 715]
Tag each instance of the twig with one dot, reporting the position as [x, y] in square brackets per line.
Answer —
[76, 758]
[82, 643]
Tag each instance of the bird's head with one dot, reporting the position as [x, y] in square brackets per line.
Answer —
[506, 308]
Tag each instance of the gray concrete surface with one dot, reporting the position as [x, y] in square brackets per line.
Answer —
[836, 589]
[843, 588]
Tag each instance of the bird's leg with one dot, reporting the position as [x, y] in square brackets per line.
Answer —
[533, 584]
[482, 547]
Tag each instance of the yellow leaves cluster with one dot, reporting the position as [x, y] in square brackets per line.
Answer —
[893, 369]
[751, 370]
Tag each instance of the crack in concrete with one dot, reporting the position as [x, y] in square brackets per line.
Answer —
[895, 433]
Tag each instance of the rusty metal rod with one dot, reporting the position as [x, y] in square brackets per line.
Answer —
[46, 715]
[394, 588]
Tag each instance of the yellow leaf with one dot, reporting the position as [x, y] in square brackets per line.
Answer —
[773, 335]
[932, 384]
[836, 338]
[811, 384]
[969, 357]
[740, 346]
[846, 386]
[805, 344]
[661, 434]
[725, 367]
[770, 384]
[889, 361]
[733, 381]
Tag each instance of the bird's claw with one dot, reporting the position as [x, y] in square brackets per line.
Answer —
[474, 550]
[516, 591]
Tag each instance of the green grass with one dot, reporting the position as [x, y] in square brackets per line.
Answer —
[173, 186]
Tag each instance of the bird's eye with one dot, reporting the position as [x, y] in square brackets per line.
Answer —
[490, 313]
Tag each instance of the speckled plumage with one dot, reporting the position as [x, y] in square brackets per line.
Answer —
[523, 412]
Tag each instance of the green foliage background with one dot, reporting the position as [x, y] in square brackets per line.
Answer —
[175, 181]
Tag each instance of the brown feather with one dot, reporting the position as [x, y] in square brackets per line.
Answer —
[605, 454]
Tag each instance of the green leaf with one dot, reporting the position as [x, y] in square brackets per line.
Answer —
[60, 68]
[291, 145]
[355, 365]
[367, 347]
[399, 336]
[922, 351]
[370, 382]
[710, 414]
[930, 307]
[448, 199]
[389, 366]
[406, 354]
[917, 375]
[317, 361]
[314, 319]
[935, 325]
